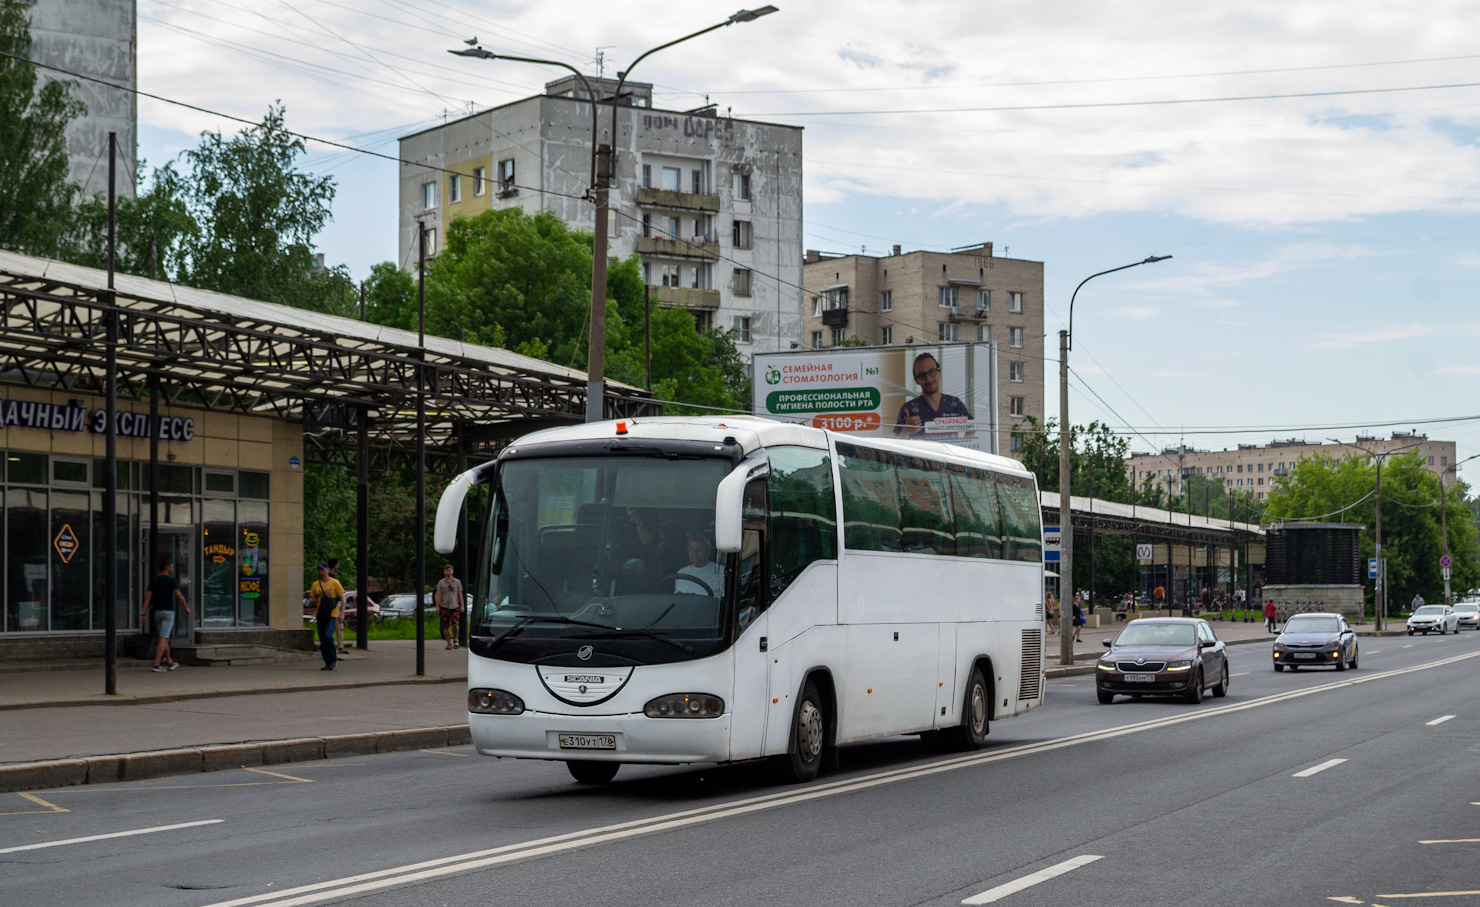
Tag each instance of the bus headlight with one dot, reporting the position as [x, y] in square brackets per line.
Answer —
[685, 705]
[494, 702]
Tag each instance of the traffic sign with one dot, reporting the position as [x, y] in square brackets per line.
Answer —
[1445, 571]
[1143, 552]
[1446, 562]
[1372, 568]
[1051, 543]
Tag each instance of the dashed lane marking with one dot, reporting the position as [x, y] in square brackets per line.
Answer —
[1239, 674]
[1440, 720]
[1432, 894]
[115, 834]
[1028, 881]
[1451, 841]
[1316, 769]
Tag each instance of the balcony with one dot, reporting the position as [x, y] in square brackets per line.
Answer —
[970, 315]
[686, 298]
[835, 318]
[678, 248]
[686, 201]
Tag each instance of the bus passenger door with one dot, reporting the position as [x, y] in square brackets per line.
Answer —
[946, 682]
[751, 702]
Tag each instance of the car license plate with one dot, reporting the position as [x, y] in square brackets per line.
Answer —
[1307, 656]
[1140, 678]
[588, 741]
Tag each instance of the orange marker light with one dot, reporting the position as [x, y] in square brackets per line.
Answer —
[871, 689]
[775, 700]
[621, 428]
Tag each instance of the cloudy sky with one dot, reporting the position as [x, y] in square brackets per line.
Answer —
[1311, 167]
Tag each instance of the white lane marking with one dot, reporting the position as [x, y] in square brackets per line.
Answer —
[381, 879]
[116, 834]
[1440, 720]
[1028, 881]
[1240, 674]
[1409, 646]
[1315, 769]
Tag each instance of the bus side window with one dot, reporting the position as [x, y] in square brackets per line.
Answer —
[803, 524]
[750, 592]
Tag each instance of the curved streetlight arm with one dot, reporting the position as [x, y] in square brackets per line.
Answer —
[1151, 259]
[482, 54]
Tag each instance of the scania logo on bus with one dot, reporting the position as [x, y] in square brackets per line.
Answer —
[584, 653]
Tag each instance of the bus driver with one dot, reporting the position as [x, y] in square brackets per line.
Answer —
[702, 568]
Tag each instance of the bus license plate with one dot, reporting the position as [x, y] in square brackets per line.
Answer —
[588, 741]
[1140, 678]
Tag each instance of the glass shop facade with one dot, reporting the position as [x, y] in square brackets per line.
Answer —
[220, 500]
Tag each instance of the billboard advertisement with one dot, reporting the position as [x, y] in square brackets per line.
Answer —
[934, 392]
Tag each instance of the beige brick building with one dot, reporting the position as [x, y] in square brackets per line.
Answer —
[1252, 468]
[930, 297]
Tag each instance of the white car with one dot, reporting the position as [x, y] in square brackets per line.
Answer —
[1433, 617]
[1469, 615]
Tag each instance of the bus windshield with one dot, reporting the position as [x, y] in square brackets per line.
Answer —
[603, 547]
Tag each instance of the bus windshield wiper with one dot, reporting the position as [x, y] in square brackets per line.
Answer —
[526, 621]
[618, 632]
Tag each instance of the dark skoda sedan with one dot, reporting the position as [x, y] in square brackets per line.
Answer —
[1163, 656]
[1311, 640]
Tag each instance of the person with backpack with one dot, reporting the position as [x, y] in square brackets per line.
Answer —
[327, 596]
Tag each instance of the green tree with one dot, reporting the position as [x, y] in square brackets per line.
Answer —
[152, 228]
[36, 204]
[1412, 538]
[328, 521]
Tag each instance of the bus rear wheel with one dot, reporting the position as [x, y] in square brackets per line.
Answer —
[971, 733]
[808, 738]
[588, 772]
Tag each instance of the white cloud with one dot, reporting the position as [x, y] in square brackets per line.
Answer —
[1464, 370]
[1372, 334]
[1134, 312]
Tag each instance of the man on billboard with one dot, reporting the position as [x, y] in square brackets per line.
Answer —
[931, 404]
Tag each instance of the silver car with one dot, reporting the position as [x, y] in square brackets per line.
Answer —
[1469, 615]
[1440, 618]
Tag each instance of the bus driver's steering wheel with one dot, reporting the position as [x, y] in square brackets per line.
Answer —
[663, 583]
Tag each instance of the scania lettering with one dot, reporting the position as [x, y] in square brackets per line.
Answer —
[675, 590]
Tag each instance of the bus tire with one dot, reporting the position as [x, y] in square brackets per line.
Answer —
[976, 707]
[808, 738]
[590, 772]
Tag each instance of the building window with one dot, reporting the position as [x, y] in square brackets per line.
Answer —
[478, 176]
[816, 306]
[742, 328]
[647, 225]
[838, 336]
[1015, 302]
[886, 301]
[1240, 467]
[740, 186]
[1015, 337]
[1431, 461]
[428, 196]
[696, 181]
[1443, 461]
[673, 179]
[1015, 371]
[1261, 469]
[1014, 406]
[703, 320]
[741, 284]
[886, 334]
[816, 340]
[948, 297]
[647, 176]
[947, 329]
[454, 189]
[506, 185]
[984, 300]
[983, 333]
[1261, 480]
[742, 236]
[836, 298]
[431, 241]
[1016, 442]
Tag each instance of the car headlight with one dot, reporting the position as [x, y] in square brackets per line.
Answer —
[685, 705]
[494, 702]
[1180, 666]
[1106, 666]
[1277, 653]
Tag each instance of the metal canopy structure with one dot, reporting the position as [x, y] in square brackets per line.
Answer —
[200, 348]
[1149, 523]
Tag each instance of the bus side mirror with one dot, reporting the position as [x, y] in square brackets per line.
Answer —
[444, 530]
[729, 503]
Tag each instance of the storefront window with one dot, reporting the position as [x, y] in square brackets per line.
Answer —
[252, 555]
[25, 560]
[253, 485]
[25, 469]
[218, 582]
[69, 554]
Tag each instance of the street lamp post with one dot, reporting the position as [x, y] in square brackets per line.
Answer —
[1444, 518]
[1066, 522]
[603, 175]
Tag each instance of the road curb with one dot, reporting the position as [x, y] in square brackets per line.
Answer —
[220, 757]
[157, 698]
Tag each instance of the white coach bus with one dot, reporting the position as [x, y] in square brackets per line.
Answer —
[674, 590]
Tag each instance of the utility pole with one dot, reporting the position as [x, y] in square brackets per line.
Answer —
[596, 355]
[1066, 522]
[419, 536]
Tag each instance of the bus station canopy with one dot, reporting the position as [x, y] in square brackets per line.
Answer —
[1148, 523]
[213, 350]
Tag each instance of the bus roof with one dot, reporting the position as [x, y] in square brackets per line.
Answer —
[753, 432]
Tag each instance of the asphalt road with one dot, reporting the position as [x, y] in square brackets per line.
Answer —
[1305, 788]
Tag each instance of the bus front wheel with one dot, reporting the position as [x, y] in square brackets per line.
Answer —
[971, 733]
[587, 772]
[808, 738]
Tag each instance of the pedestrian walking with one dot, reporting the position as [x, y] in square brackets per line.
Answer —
[1158, 595]
[449, 596]
[339, 645]
[1078, 614]
[327, 596]
[1269, 615]
[159, 612]
[1418, 602]
[1051, 612]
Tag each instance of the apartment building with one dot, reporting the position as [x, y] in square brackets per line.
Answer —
[1252, 468]
[712, 204]
[929, 297]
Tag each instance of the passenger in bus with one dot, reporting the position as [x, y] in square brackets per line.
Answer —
[702, 568]
[637, 549]
[915, 414]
